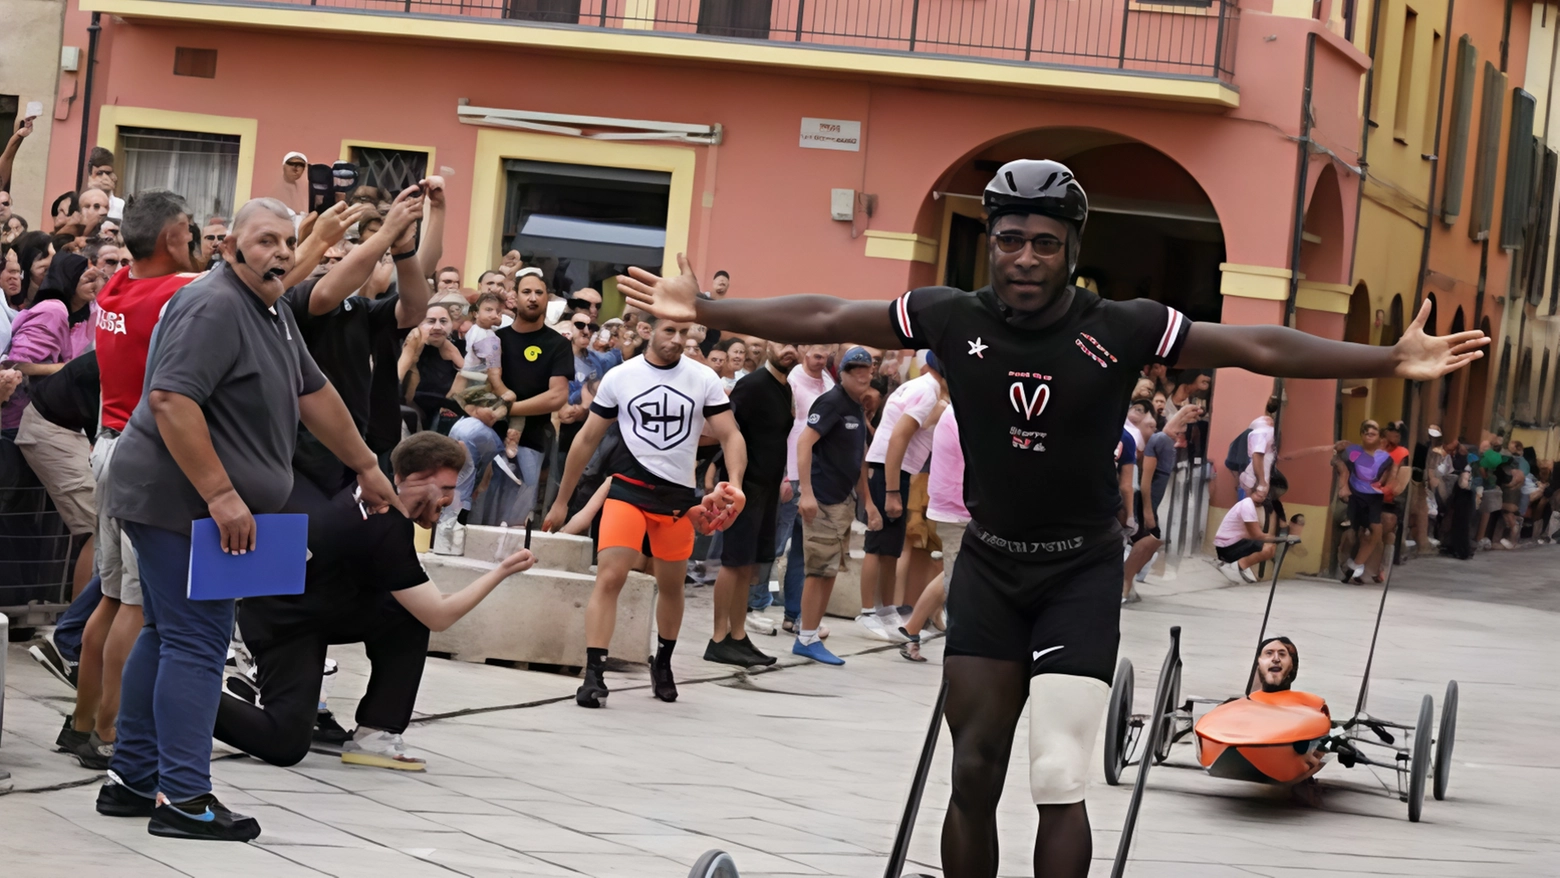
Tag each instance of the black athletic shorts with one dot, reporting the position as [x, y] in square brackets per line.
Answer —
[890, 541]
[1238, 550]
[751, 538]
[1061, 615]
[1364, 509]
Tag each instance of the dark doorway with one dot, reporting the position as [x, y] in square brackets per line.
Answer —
[966, 268]
[748, 19]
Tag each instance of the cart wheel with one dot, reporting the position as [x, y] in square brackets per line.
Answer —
[1167, 727]
[714, 864]
[1419, 761]
[1445, 740]
[1118, 722]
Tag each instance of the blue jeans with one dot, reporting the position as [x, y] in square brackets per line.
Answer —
[482, 445]
[67, 631]
[173, 678]
[504, 501]
[788, 527]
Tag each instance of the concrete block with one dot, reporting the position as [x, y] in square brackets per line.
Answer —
[538, 616]
[552, 551]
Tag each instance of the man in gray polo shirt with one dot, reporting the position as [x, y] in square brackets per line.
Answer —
[228, 379]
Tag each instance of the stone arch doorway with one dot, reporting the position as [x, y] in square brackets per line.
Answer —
[1152, 232]
[1476, 399]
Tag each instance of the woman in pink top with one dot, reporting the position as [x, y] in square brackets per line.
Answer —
[57, 327]
[945, 488]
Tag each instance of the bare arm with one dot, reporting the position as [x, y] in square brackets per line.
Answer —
[327, 418]
[1146, 488]
[438, 611]
[584, 445]
[24, 127]
[321, 233]
[1343, 477]
[546, 402]
[1278, 350]
[807, 505]
[733, 447]
[805, 319]
[496, 382]
[864, 494]
[431, 250]
[893, 460]
[1125, 483]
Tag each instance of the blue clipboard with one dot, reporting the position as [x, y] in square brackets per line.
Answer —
[275, 567]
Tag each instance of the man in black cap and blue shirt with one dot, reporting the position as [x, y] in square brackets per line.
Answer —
[1040, 372]
[830, 459]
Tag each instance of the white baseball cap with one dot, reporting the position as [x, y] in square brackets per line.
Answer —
[295, 155]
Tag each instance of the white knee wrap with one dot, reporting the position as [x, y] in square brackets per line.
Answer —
[1064, 715]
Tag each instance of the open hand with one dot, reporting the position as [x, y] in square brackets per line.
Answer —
[669, 298]
[1422, 357]
[332, 225]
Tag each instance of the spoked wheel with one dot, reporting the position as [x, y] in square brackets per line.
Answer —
[1445, 740]
[714, 864]
[1419, 761]
[1118, 723]
[1167, 725]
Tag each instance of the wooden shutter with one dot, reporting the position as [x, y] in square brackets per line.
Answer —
[1491, 107]
[1519, 171]
[1456, 157]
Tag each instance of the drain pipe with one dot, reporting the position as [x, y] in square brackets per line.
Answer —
[86, 101]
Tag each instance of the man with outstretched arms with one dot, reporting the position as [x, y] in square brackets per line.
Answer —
[1041, 371]
[662, 401]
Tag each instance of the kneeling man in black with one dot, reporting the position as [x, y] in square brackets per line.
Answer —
[364, 585]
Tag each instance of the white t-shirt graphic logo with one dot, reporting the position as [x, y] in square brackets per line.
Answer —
[662, 416]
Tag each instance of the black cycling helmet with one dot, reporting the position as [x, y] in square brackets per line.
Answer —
[1036, 186]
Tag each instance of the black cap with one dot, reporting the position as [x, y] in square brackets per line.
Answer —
[1396, 427]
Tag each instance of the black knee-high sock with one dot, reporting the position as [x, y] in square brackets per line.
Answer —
[595, 659]
[663, 651]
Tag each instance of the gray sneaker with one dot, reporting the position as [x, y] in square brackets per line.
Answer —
[94, 753]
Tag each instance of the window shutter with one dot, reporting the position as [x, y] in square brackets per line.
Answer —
[1457, 137]
[1519, 171]
[1491, 105]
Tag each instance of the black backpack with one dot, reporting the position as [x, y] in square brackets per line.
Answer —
[1238, 457]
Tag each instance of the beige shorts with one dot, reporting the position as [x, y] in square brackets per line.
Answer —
[59, 458]
[952, 536]
[115, 558]
[920, 531]
[827, 538]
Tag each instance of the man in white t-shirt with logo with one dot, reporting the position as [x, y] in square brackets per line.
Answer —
[900, 447]
[662, 402]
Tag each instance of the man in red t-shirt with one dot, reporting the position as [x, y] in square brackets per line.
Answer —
[156, 232]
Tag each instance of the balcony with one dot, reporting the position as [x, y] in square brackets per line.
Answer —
[1179, 38]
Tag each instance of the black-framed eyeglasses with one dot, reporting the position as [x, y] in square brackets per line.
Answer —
[216, 238]
[1043, 245]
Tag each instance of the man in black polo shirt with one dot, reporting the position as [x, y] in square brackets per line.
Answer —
[1043, 371]
[537, 364]
[227, 381]
[831, 463]
[761, 403]
[365, 585]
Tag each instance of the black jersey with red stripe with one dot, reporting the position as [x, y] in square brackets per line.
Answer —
[1040, 409]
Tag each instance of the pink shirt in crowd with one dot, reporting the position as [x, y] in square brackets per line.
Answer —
[1233, 528]
[43, 335]
[945, 485]
[804, 389]
[916, 398]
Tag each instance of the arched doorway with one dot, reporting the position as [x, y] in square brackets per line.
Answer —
[1388, 405]
[1522, 403]
[1454, 388]
[1475, 400]
[1152, 232]
[1354, 396]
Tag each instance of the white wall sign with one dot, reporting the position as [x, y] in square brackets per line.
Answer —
[831, 134]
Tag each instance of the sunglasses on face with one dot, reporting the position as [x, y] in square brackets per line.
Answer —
[591, 327]
[1043, 245]
[582, 303]
[216, 238]
[112, 264]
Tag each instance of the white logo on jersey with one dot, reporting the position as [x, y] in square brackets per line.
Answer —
[111, 322]
[662, 417]
[1040, 652]
[1030, 406]
[977, 349]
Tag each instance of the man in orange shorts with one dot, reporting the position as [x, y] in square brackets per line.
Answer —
[663, 402]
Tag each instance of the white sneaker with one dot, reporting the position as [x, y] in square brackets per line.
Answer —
[758, 623]
[1434, 543]
[1231, 572]
[449, 537]
[1484, 543]
[380, 749]
[1246, 574]
[1409, 544]
[874, 627]
[1506, 544]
